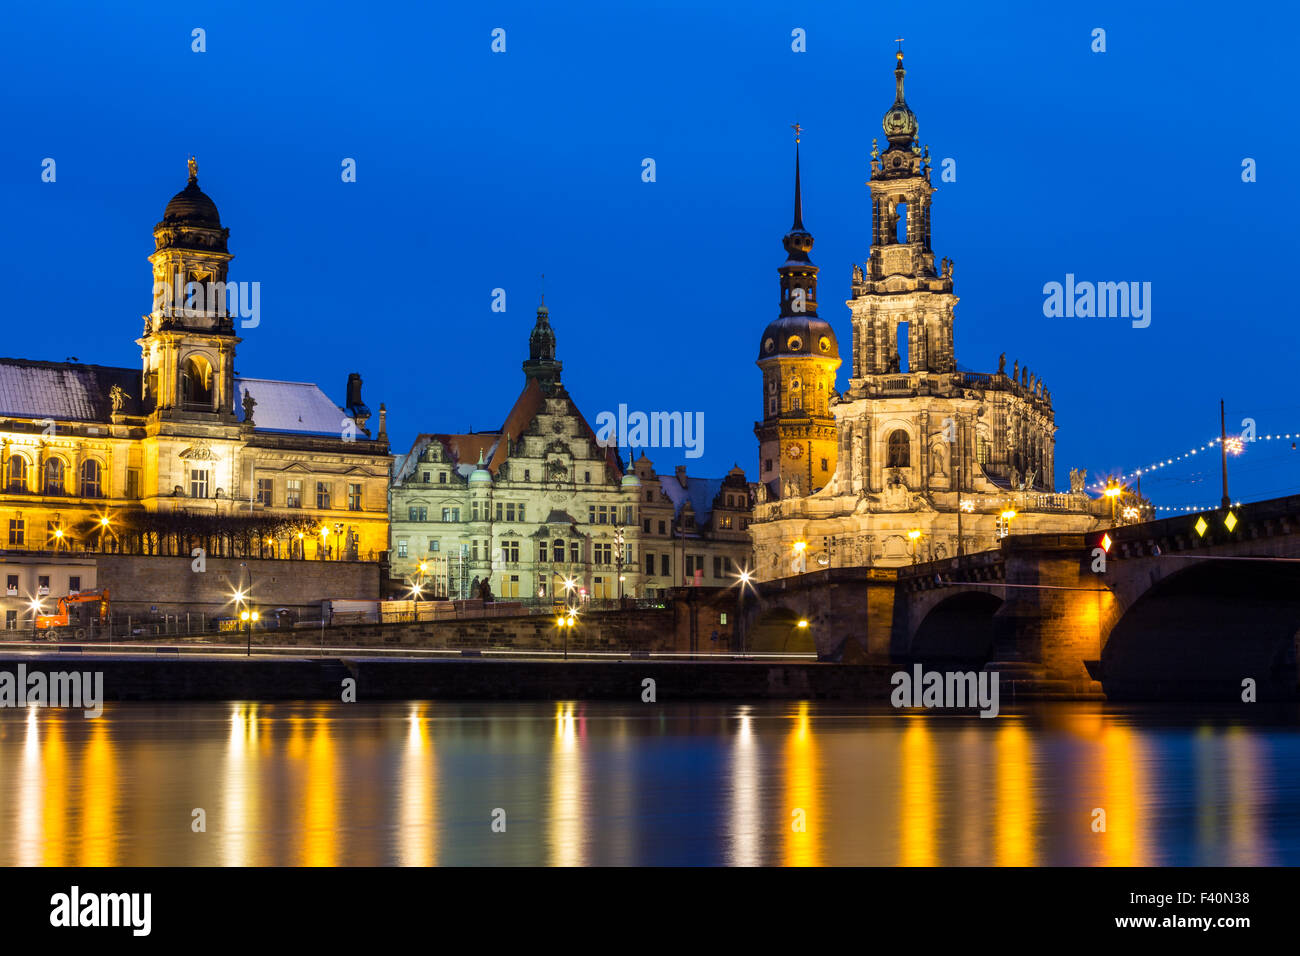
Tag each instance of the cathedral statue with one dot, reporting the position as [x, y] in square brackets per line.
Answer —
[249, 404]
[1029, 479]
[1015, 370]
[1002, 364]
[936, 461]
[761, 493]
[857, 273]
[117, 398]
[1015, 478]
[893, 363]
[1024, 375]
[1078, 477]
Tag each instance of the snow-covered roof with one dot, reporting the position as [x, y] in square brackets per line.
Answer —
[700, 492]
[65, 391]
[290, 407]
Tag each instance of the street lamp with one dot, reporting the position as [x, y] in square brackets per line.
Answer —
[103, 530]
[913, 536]
[618, 559]
[324, 536]
[1112, 492]
[36, 609]
[800, 563]
[249, 618]
[569, 585]
[745, 579]
[565, 624]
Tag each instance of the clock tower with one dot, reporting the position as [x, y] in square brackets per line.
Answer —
[798, 356]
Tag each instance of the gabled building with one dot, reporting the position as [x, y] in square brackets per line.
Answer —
[540, 508]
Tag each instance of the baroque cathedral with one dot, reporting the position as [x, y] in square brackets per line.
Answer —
[917, 459]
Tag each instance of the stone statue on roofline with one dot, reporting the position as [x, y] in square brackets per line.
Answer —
[249, 404]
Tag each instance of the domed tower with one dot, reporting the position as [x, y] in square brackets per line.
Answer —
[188, 347]
[798, 356]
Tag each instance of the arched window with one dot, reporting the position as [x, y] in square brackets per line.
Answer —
[898, 450]
[54, 477]
[17, 473]
[91, 485]
[196, 382]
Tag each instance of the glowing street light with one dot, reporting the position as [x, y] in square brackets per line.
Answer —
[249, 618]
[745, 579]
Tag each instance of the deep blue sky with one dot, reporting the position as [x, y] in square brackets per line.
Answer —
[481, 170]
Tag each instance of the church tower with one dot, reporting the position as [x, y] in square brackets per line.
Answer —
[798, 356]
[542, 363]
[902, 306]
[188, 347]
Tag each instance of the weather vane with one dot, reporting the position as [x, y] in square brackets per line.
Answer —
[797, 131]
[194, 168]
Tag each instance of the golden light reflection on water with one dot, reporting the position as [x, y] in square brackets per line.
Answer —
[414, 784]
[916, 794]
[803, 826]
[1015, 798]
[566, 813]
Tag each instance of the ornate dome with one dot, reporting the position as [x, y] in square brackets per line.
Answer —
[192, 204]
[900, 122]
[798, 335]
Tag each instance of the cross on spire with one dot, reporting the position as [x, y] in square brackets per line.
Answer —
[797, 131]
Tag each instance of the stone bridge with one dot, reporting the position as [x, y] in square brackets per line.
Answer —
[1165, 611]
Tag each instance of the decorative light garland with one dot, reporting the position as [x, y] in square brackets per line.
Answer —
[1236, 445]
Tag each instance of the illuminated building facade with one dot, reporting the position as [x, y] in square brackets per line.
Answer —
[929, 460]
[183, 449]
[541, 503]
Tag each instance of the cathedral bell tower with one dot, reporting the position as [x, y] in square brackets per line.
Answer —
[542, 363]
[900, 285]
[188, 347]
[798, 356]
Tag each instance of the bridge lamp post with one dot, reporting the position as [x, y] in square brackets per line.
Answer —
[1006, 521]
[1112, 492]
[36, 610]
[912, 536]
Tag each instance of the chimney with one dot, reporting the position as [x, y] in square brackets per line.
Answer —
[681, 475]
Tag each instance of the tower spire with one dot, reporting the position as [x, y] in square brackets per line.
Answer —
[798, 199]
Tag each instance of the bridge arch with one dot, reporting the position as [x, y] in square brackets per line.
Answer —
[957, 630]
[1200, 630]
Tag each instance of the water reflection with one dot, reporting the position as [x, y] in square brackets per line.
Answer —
[573, 784]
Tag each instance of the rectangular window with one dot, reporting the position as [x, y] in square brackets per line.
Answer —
[521, 513]
[442, 477]
[411, 512]
[474, 550]
[198, 482]
[265, 491]
[354, 497]
[510, 511]
[401, 547]
[717, 567]
[17, 530]
[11, 584]
[450, 514]
[767, 464]
[575, 552]
[510, 552]
[293, 493]
[528, 475]
[661, 528]
[11, 620]
[422, 513]
[74, 584]
[650, 564]
[323, 495]
[43, 584]
[425, 477]
[591, 514]
[133, 482]
[541, 551]
[665, 566]
[586, 476]
[434, 545]
[473, 514]
[647, 526]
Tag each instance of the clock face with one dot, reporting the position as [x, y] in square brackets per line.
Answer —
[793, 450]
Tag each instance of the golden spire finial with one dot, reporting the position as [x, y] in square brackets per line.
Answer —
[797, 131]
[194, 170]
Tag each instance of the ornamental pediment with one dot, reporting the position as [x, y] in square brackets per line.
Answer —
[200, 451]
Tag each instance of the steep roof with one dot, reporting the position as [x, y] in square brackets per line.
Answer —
[67, 391]
[700, 492]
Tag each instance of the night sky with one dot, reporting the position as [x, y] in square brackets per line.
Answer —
[479, 171]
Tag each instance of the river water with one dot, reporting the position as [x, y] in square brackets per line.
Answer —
[584, 783]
